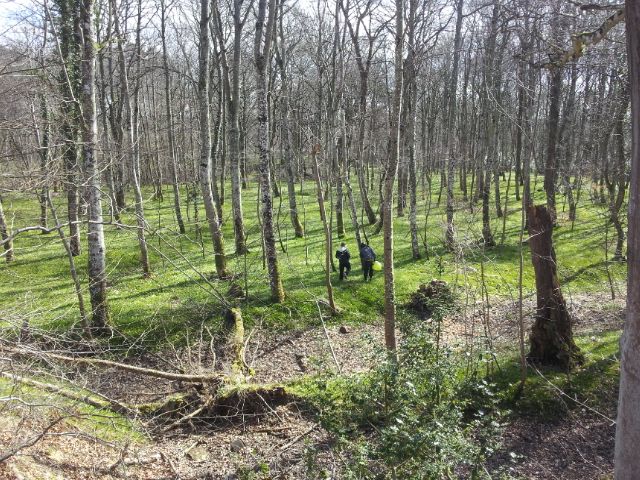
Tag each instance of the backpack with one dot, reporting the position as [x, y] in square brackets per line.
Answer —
[366, 253]
[343, 255]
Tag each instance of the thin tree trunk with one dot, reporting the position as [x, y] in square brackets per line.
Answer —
[281, 56]
[95, 235]
[205, 142]
[169, 112]
[262, 51]
[451, 125]
[72, 267]
[130, 135]
[326, 228]
[231, 85]
[393, 153]
[7, 242]
[551, 167]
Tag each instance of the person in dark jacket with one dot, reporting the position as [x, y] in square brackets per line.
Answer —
[368, 257]
[344, 260]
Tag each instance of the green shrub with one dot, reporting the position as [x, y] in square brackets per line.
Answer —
[414, 418]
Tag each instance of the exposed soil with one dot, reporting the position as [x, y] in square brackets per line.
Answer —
[580, 446]
[577, 447]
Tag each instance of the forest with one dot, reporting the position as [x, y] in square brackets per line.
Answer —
[319, 239]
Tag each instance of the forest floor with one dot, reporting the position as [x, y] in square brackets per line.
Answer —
[172, 321]
[548, 435]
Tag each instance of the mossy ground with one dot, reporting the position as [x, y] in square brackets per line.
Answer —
[176, 299]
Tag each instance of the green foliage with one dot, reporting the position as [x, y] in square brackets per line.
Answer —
[417, 418]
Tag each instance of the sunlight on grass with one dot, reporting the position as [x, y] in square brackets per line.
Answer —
[176, 299]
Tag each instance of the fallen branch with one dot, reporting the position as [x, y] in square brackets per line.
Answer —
[29, 443]
[70, 394]
[149, 372]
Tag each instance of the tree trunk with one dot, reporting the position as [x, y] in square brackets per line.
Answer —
[391, 168]
[130, 135]
[262, 48]
[4, 234]
[551, 167]
[617, 180]
[69, 46]
[231, 85]
[409, 113]
[205, 142]
[326, 228]
[485, 186]
[451, 125]
[281, 56]
[72, 266]
[551, 336]
[169, 112]
[95, 235]
[627, 460]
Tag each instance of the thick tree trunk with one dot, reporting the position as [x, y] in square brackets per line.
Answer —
[551, 336]
[205, 142]
[627, 460]
[95, 235]
[69, 50]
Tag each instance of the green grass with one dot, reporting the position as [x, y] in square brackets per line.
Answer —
[102, 423]
[176, 300]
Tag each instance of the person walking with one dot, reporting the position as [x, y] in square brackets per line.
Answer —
[344, 260]
[368, 257]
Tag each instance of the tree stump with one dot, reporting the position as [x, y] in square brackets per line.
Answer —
[551, 336]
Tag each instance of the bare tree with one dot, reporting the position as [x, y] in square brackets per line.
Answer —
[325, 226]
[231, 85]
[262, 54]
[391, 168]
[129, 132]
[95, 235]
[169, 113]
[282, 54]
[205, 141]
